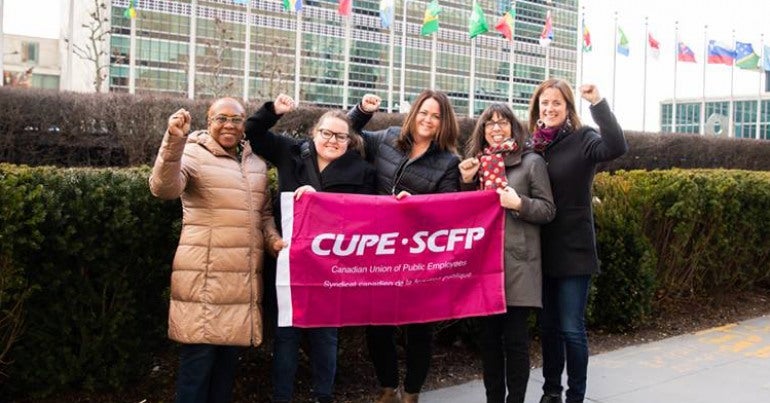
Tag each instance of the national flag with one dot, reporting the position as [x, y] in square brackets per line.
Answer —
[720, 54]
[386, 13]
[345, 8]
[430, 20]
[684, 53]
[623, 43]
[745, 57]
[477, 24]
[546, 37]
[292, 5]
[131, 10]
[505, 24]
[766, 58]
[654, 46]
[587, 45]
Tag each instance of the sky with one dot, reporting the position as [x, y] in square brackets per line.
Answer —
[42, 18]
[745, 17]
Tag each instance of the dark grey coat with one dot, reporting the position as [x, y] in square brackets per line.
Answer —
[569, 242]
[528, 175]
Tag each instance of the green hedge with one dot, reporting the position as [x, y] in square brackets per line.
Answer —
[46, 127]
[95, 249]
[85, 256]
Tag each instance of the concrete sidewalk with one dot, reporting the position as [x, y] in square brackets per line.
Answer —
[730, 363]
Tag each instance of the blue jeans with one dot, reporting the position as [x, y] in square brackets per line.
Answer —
[206, 373]
[562, 325]
[323, 360]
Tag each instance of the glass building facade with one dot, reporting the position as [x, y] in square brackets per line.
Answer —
[750, 117]
[164, 29]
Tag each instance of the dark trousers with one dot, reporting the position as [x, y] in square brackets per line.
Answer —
[206, 373]
[505, 354]
[323, 359]
[564, 338]
[382, 350]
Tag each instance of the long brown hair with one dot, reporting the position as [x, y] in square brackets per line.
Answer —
[477, 141]
[566, 91]
[354, 139]
[448, 129]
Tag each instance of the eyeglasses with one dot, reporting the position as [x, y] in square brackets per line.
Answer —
[490, 124]
[328, 134]
[222, 120]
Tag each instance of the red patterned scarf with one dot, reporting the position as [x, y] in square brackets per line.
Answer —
[492, 160]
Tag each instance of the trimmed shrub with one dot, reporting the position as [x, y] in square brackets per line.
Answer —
[41, 127]
[97, 247]
[621, 295]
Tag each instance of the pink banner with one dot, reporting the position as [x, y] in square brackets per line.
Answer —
[357, 260]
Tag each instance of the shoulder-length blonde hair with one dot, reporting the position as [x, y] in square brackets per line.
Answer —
[448, 129]
[355, 142]
[566, 91]
[477, 141]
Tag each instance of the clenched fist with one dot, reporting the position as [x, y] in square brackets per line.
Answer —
[590, 93]
[370, 103]
[179, 123]
[468, 169]
[283, 104]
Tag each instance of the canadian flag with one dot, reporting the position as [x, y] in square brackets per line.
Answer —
[654, 46]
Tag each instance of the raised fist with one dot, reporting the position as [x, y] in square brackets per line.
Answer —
[283, 104]
[370, 103]
[179, 123]
[590, 93]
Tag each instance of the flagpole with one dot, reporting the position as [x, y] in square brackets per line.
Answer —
[472, 89]
[644, 80]
[191, 49]
[581, 44]
[703, 86]
[548, 47]
[759, 92]
[676, 62]
[433, 51]
[132, 58]
[2, 45]
[391, 55]
[731, 111]
[346, 79]
[402, 95]
[247, 53]
[70, 46]
[512, 56]
[297, 54]
[614, 61]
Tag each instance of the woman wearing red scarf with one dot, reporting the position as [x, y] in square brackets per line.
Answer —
[499, 162]
[572, 152]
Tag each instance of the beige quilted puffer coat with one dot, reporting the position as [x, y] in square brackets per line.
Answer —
[216, 278]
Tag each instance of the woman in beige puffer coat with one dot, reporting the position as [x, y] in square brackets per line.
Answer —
[216, 279]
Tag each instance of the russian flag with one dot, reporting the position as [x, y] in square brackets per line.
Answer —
[684, 53]
[720, 54]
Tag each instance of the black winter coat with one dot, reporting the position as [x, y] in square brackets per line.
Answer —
[569, 241]
[295, 158]
[435, 171]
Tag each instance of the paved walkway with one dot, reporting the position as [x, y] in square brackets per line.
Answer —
[727, 364]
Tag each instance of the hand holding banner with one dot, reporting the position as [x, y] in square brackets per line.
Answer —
[359, 259]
